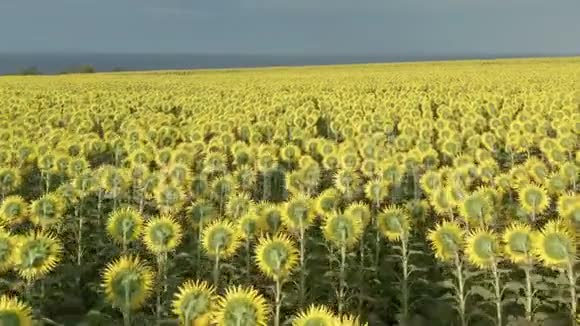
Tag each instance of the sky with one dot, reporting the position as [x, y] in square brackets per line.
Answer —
[291, 26]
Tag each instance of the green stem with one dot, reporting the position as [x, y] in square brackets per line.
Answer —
[461, 290]
[302, 266]
[216, 270]
[341, 291]
[497, 288]
[248, 256]
[79, 215]
[161, 268]
[573, 295]
[529, 292]
[405, 284]
[278, 301]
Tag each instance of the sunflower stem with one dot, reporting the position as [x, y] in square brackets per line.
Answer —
[216, 270]
[198, 248]
[529, 292]
[278, 301]
[79, 216]
[461, 290]
[573, 295]
[248, 256]
[341, 291]
[405, 283]
[99, 206]
[161, 268]
[497, 288]
[302, 265]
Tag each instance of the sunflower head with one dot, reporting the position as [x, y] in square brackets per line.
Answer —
[245, 178]
[114, 180]
[162, 234]
[327, 202]
[125, 224]
[169, 197]
[441, 201]
[393, 223]
[221, 238]
[201, 212]
[221, 188]
[10, 179]
[13, 210]
[347, 181]
[238, 205]
[359, 210]
[298, 213]
[555, 245]
[13, 312]
[533, 199]
[482, 248]
[47, 211]
[569, 208]
[342, 229]
[518, 240]
[199, 185]
[36, 255]
[315, 316]
[276, 256]
[431, 181]
[249, 225]
[194, 302]
[376, 191]
[476, 209]
[270, 217]
[241, 306]
[128, 282]
[446, 240]
[7, 250]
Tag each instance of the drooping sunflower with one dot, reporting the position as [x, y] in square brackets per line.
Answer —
[276, 256]
[555, 245]
[476, 209]
[533, 199]
[8, 245]
[482, 248]
[446, 240]
[393, 223]
[359, 210]
[169, 197]
[241, 306]
[36, 255]
[316, 315]
[238, 205]
[342, 230]
[13, 312]
[125, 225]
[162, 234]
[47, 211]
[128, 282]
[194, 302]
[376, 191]
[327, 202]
[298, 213]
[221, 238]
[13, 210]
[269, 217]
[518, 240]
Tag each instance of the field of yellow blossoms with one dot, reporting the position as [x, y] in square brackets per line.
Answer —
[385, 194]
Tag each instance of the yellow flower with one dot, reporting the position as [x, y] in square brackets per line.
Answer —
[162, 234]
[518, 239]
[221, 238]
[276, 256]
[36, 255]
[241, 306]
[194, 302]
[393, 223]
[482, 248]
[446, 240]
[128, 282]
[316, 315]
[555, 245]
[14, 312]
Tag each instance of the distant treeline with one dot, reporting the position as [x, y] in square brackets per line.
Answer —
[82, 69]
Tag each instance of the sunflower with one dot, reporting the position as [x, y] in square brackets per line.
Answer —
[276, 256]
[241, 306]
[128, 282]
[47, 211]
[13, 312]
[124, 225]
[533, 199]
[569, 207]
[430, 181]
[169, 197]
[162, 234]
[13, 210]
[327, 202]
[248, 225]
[221, 238]
[245, 178]
[446, 239]
[554, 245]
[316, 315]
[238, 205]
[270, 217]
[476, 208]
[36, 255]
[10, 179]
[194, 302]
[347, 181]
[376, 191]
[342, 229]
[85, 183]
[441, 201]
[7, 249]
[518, 239]
[298, 213]
[114, 180]
[201, 212]
[393, 223]
[360, 211]
[482, 248]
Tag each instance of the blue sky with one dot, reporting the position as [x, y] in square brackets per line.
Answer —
[291, 26]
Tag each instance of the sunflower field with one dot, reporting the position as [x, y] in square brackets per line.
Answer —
[392, 194]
